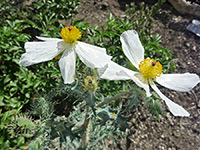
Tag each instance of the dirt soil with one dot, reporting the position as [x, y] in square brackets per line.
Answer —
[170, 133]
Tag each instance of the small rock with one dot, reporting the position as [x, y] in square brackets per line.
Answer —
[170, 119]
[187, 44]
[194, 48]
[176, 133]
[194, 27]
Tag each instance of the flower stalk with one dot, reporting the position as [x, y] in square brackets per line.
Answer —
[114, 98]
[85, 137]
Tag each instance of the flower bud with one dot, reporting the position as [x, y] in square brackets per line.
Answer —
[90, 83]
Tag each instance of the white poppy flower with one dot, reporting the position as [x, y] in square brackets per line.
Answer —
[92, 56]
[149, 71]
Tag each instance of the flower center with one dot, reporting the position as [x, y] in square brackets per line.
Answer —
[70, 34]
[150, 68]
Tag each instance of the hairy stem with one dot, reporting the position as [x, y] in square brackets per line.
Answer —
[114, 98]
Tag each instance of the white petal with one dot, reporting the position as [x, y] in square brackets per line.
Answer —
[179, 82]
[174, 108]
[62, 45]
[92, 56]
[137, 78]
[132, 47]
[48, 39]
[112, 71]
[67, 64]
[37, 52]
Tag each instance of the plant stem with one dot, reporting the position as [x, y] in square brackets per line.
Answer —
[111, 99]
[84, 139]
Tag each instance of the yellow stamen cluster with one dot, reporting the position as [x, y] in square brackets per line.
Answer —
[70, 34]
[90, 83]
[114, 115]
[150, 68]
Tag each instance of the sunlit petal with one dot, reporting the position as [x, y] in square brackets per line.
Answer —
[138, 79]
[48, 39]
[37, 52]
[112, 71]
[92, 56]
[174, 108]
[179, 82]
[132, 47]
[62, 46]
[67, 65]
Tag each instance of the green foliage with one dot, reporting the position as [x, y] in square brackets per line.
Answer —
[45, 15]
[19, 84]
[15, 131]
[142, 16]
[25, 123]
[92, 117]
[154, 106]
[63, 9]
[90, 122]
[13, 86]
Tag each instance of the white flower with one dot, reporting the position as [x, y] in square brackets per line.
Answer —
[91, 56]
[149, 71]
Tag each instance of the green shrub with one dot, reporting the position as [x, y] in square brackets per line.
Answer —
[20, 85]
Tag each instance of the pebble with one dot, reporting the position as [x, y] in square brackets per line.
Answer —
[187, 44]
[172, 148]
[176, 133]
[170, 119]
[194, 48]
